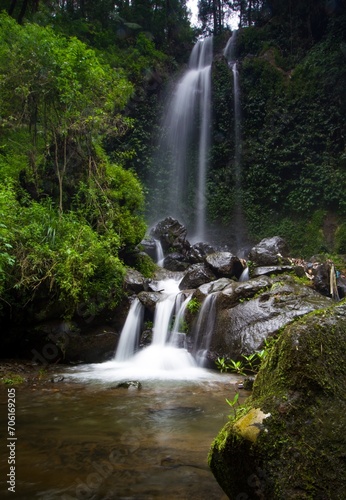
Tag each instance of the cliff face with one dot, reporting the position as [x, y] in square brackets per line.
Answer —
[289, 440]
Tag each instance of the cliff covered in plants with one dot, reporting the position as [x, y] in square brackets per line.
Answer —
[292, 73]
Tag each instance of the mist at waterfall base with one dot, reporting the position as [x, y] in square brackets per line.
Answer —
[167, 357]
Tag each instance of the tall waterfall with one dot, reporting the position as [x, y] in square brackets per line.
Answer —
[186, 139]
[238, 218]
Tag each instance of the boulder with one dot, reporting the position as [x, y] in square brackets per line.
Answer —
[270, 252]
[249, 312]
[289, 440]
[269, 270]
[149, 299]
[134, 281]
[148, 245]
[225, 264]
[195, 276]
[199, 251]
[171, 234]
[175, 262]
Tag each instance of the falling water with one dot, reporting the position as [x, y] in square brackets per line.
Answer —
[205, 328]
[187, 121]
[178, 337]
[238, 217]
[159, 253]
[165, 358]
[130, 332]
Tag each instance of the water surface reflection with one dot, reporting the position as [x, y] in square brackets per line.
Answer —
[92, 440]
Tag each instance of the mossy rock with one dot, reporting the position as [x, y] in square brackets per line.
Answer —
[297, 448]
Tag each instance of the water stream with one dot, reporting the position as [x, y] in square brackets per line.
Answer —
[87, 439]
[186, 133]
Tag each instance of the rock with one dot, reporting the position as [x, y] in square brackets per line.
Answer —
[213, 286]
[96, 346]
[149, 299]
[175, 262]
[171, 234]
[148, 246]
[291, 441]
[134, 281]
[249, 312]
[269, 270]
[195, 276]
[199, 251]
[130, 384]
[225, 264]
[341, 283]
[270, 252]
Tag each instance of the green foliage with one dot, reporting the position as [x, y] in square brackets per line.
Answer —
[193, 306]
[251, 363]
[144, 264]
[340, 244]
[12, 379]
[67, 213]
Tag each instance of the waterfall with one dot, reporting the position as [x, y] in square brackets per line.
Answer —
[238, 217]
[178, 337]
[186, 124]
[159, 253]
[204, 328]
[162, 358]
[130, 333]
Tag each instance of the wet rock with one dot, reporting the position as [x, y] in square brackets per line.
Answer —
[134, 281]
[130, 384]
[269, 270]
[247, 313]
[213, 286]
[270, 252]
[320, 272]
[148, 246]
[195, 276]
[225, 264]
[199, 251]
[149, 299]
[171, 234]
[175, 262]
[296, 449]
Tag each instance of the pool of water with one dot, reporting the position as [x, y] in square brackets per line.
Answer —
[85, 438]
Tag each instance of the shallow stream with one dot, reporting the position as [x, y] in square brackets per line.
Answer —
[85, 438]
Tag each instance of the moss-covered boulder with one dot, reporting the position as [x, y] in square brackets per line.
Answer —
[289, 440]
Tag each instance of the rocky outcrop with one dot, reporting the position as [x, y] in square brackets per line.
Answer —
[171, 234]
[270, 252]
[195, 276]
[134, 281]
[249, 312]
[225, 264]
[288, 440]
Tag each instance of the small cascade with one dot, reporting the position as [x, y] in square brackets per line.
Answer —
[178, 336]
[245, 275]
[159, 253]
[204, 328]
[130, 333]
[166, 357]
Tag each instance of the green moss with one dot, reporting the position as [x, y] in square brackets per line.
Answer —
[299, 452]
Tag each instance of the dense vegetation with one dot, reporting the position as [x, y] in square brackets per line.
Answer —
[81, 87]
